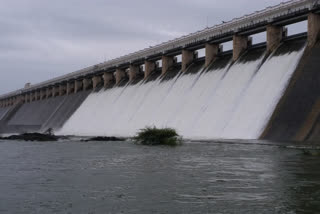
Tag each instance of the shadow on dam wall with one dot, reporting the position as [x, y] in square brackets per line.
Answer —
[39, 116]
[297, 116]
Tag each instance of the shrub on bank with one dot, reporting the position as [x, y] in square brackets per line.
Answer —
[31, 137]
[153, 136]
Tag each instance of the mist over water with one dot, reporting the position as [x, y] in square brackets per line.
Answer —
[234, 101]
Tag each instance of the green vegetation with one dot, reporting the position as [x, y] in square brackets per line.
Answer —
[153, 136]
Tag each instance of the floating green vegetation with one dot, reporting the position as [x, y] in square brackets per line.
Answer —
[153, 136]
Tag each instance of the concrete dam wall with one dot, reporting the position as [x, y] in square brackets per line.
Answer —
[264, 91]
[297, 114]
[41, 115]
[229, 100]
[245, 99]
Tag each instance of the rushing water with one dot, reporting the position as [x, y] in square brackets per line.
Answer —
[113, 177]
[233, 101]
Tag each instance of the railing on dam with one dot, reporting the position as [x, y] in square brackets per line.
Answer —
[237, 29]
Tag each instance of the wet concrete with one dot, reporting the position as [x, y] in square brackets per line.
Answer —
[290, 118]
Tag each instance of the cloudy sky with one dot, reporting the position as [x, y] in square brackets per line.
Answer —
[41, 39]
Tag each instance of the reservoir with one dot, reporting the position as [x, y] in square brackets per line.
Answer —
[121, 177]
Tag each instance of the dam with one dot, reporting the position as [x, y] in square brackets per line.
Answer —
[268, 90]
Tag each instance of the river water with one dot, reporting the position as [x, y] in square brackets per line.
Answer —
[120, 177]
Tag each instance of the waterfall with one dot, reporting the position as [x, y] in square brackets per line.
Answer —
[227, 100]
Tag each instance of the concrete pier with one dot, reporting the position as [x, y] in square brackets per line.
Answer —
[274, 37]
[149, 66]
[86, 84]
[96, 80]
[26, 98]
[240, 44]
[187, 59]
[62, 89]
[133, 72]
[14, 100]
[31, 97]
[48, 92]
[20, 99]
[313, 28]
[78, 86]
[211, 52]
[167, 62]
[55, 91]
[36, 95]
[70, 88]
[107, 79]
[120, 74]
[43, 94]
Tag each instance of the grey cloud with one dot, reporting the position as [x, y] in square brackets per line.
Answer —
[40, 39]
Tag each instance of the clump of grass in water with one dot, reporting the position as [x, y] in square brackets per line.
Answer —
[153, 136]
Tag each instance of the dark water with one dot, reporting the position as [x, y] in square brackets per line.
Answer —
[97, 177]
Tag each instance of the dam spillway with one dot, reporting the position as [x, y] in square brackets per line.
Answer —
[227, 100]
[264, 91]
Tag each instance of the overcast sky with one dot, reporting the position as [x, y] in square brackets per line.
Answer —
[41, 39]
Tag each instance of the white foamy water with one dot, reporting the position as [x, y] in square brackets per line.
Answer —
[259, 100]
[234, 102]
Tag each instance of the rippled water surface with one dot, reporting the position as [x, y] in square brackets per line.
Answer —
[100, 177]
